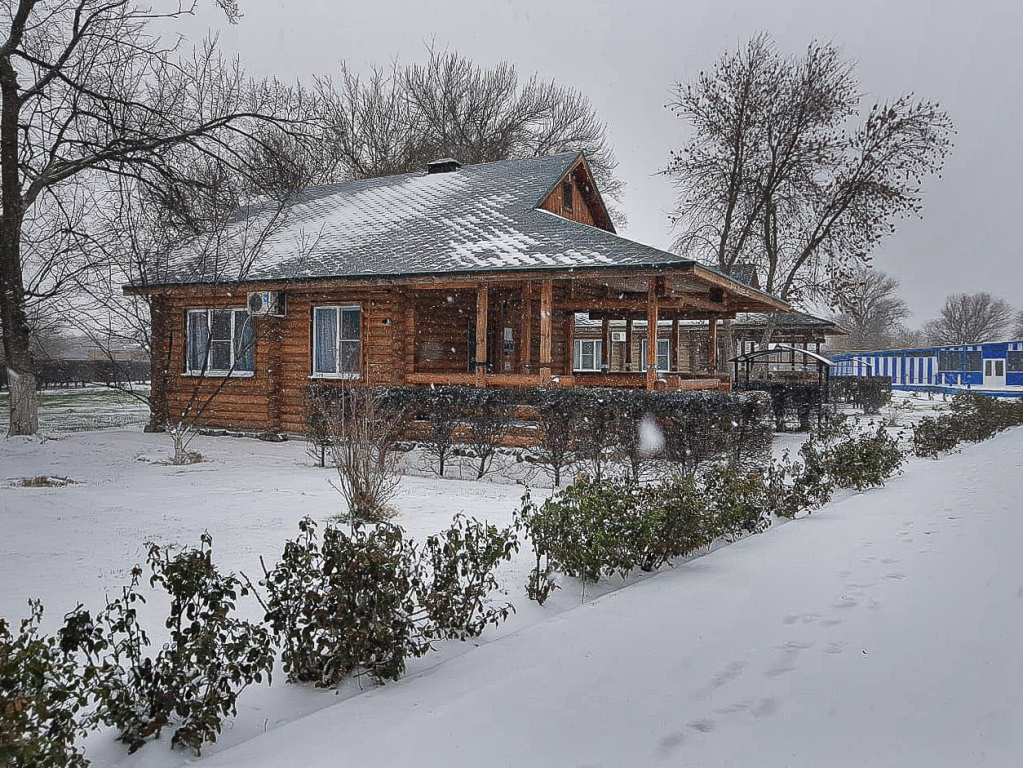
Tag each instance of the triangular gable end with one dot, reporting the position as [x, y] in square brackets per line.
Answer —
[575, 197]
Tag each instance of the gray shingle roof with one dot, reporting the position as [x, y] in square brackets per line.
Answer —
[478, 218]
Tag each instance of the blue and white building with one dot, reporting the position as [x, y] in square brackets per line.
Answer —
[995, 368]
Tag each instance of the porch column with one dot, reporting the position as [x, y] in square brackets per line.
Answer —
[651, 333]
[628, 343]
[605, 345]
[676, 346]
[526, 341]
[712, 345]
[546, 308]
[482, 308]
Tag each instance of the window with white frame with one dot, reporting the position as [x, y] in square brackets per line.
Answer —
[220, 342]
[337, 342]
[587, 355]
[663, 354]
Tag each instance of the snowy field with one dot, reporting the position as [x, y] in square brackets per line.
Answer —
[75, 410]
[882, 630]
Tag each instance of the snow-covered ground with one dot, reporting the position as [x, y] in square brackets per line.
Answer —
[880, 631]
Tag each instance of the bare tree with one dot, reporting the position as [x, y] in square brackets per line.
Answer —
[970, 318]
[397, 120]
[360, 433]
[1017, 329]
[872, 312]
[87, 90]
[773, 175]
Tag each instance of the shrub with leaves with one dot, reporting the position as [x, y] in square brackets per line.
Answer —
[460, 563]
[192, 684]
[677, 508]
[737, 499]
[865, 461]
[345, 604]
[594, 529]
[971, 419]
[41, 695]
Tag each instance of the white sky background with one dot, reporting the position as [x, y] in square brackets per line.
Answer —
[626, 55]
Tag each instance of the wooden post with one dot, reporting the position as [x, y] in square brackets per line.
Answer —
[410, 333]
[570, 344]
[712, 345]
[651, 333]
[482, 309]
[605, 345]
[526, 342]
[628, 343]
[676, 346]
[546, 308]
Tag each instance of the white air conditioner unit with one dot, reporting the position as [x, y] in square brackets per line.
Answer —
[265, 304]
[617, 335]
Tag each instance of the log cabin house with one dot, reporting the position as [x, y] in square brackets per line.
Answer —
[452, 276]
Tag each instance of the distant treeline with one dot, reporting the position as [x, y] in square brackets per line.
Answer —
[82, 373]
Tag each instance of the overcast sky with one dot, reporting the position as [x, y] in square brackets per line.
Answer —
[626, 55]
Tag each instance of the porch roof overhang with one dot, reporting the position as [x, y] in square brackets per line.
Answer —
[685, 289]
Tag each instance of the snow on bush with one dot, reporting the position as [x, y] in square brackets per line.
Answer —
[192, 683]
[41, 694]
[367, 599]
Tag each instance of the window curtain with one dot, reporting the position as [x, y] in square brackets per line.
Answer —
[325, 330]
[244, 343]
[198, 337]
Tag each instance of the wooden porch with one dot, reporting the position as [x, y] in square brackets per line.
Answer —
[510, 331]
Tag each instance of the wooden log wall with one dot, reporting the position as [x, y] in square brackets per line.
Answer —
[401, 327]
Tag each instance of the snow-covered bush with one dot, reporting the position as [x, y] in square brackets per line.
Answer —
[836, 456]
[870, 393]
[366, 599]
[192, 683]
[345, 604]
[459, 575]
[681, 525]
[737, 500]
[971, 419]
[41, 695]
[865, 461]
[594, 529]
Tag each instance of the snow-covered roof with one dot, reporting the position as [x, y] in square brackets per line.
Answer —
[478, 218]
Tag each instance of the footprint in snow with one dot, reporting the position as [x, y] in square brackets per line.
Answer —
[703, 725]
[895, 575]
[671, 743]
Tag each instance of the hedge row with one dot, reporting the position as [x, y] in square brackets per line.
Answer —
[796, 405]
[358, 600]
[595, 426]
[870, 393]
[597, 528]
[80, 373]
[971, 419]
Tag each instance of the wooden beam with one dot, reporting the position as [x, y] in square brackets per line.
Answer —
[482, 310]
[546, 338]
[410, 334]
[651, 334]
[605, 345]
[526, 342]
[712, 346]
[675, 345]
[570, 344]
[628, 344]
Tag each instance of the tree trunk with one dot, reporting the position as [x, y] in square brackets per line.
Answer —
[21, 371]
